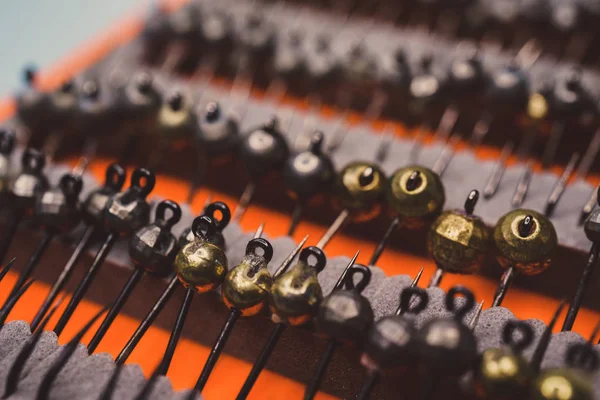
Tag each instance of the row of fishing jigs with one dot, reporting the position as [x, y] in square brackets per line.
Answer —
[170, 118]
[524, 243]
[479, 19]
[137, 108]
[196, 40]
[416, 94]
[282, 34]
[292, 296]
[413, 194]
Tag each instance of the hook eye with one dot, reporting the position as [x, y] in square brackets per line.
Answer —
[272, 124]
[316, 253]
[143, 82]
[203, 227]
[7, 141]
[161, 213]
[67, 86]
[115, 177]
[212, 208]
[90, 90]
[29, 74]
[453, 293]
[260, 243]
[33, 161]
[525, 332]
[406, 300]
[582, 355]
[365, 278]
[70, 185]
[143, 179]
[316, 142]
[211, 112]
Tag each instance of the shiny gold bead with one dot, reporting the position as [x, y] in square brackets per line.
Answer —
[503, 374]
[176, 118]
[458, 240]
[416, 195]
[246, 287]
[537, 106]
[201, 265]
[360, 188]
[296, 295]
[562, 384]
[529, 252]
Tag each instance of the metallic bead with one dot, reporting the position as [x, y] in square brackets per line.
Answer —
[345, 315]
[562, 384]
[466, 73]
[256, 35]
[63, 104]
[128, 211]
[359, 64]
[360, 188]
[217, 132]
[95, 203]
[156, 34]
[426, 86]
[418, 203]
[246, 287]
[153, 247]
[537, 106]
[458, 242]
[176, 119]
[246, 291]
[58, 207]
[201, 265]
[447, 347]
[530, 254]
[31, 182]
[97, 109]
[32, 103]
[296, 295]
[592, 226]
[503, 374]
[391, 343]
[7, 144]
[290, 55]
[264, 150]
[508, 86]
[309, 172]
[140, 98]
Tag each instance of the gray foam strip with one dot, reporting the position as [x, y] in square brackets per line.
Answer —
[46, 346]
[76, 382]
[85, 376]
[12, 336]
